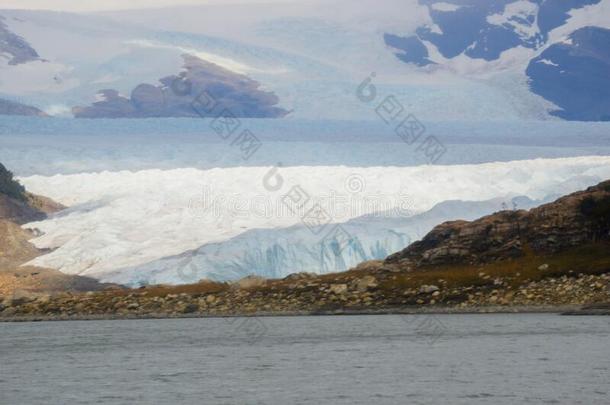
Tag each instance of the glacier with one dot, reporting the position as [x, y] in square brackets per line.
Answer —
[276, 253]
[121, 220]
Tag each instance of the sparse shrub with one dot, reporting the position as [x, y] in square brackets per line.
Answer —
[597, 211]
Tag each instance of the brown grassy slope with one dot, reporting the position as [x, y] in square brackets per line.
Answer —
[590, 259]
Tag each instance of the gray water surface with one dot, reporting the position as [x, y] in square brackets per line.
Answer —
[454, 359]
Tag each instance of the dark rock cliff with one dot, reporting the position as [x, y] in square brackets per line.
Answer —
[570, 221]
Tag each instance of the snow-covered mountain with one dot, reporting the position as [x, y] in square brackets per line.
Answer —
[486, 29]
[564, 44]
[444, 60]
[575, 75]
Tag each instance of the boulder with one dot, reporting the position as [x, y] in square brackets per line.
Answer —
[338, 288]
[250, 282]
[428, 289]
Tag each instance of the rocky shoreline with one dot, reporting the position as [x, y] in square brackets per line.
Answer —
[560, 310]
[552, 258]
[347, 293]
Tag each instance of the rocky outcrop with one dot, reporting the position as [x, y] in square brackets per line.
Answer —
[571, 221]
[203, 89]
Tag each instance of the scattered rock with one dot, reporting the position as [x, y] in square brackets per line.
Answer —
[190, 308]
[428, 289]
[338, 288]
[366, 283]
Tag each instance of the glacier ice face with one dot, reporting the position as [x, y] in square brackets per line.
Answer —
[125, 219]
[275, 253]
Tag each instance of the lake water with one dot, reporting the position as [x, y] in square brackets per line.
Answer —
[453, 359]
[31, 146]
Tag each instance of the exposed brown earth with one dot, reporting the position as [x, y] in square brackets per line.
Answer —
[21, 282]
[27, 281]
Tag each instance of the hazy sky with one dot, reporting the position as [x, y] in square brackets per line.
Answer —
[99, 5]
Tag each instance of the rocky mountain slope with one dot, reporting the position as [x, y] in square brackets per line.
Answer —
[571, 221]
[17, 207]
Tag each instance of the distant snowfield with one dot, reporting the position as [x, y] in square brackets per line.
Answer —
[125, 219]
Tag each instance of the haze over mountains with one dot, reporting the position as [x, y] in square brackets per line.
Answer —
[449, 60]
